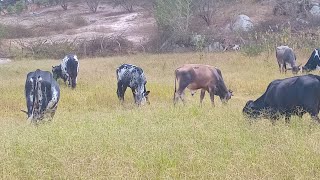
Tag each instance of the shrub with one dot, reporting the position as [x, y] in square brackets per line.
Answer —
[93, 5]
[79, 21]
[12, 32]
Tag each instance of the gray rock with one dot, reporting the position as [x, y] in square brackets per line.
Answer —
[315, 11]
[242, 23]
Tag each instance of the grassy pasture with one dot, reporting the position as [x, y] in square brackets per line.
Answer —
[93, 137]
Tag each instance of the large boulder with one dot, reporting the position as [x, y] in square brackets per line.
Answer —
[315, 11]
[242, 23]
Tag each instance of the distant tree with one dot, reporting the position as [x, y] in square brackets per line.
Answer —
[93, 5]
[64, 4]
[126, 4]
[205, 9]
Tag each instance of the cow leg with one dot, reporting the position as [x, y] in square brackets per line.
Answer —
[203, 92]
[211, 92]
[134, 95]
[287, 118]
[280, 68]
[120, 91]
[179, 95]
[285, 68]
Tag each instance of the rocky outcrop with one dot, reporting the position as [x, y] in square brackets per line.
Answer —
[242, 23]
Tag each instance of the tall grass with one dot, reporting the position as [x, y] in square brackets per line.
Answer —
[93, 137]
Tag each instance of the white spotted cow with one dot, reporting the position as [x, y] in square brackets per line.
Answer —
[68, 70]
[132, 76]
[42, 95]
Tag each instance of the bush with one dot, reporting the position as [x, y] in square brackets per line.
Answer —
[12, 32]
[19, 7]
[93, 5]
[79, 21]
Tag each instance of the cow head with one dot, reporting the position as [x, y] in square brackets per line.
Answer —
[250, 110]
[225, 98]
[56, 72]
[296, 69]
[141, 95]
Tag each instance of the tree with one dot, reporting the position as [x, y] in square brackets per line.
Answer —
[125, 4]
[205, 9]
[93, 5]
[173, 14]
[64, 4]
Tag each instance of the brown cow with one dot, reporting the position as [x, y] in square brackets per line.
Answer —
[204, 77]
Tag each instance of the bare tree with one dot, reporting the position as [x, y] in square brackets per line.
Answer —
[205, 9]
[93, 5]
[64, 4]
[125, 4]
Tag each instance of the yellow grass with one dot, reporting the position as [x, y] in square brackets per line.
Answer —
[93, 137]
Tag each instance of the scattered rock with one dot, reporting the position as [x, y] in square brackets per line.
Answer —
[242, 23]
[4, 61]
[315, 11]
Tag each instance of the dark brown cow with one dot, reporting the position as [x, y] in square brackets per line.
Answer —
[204, 77]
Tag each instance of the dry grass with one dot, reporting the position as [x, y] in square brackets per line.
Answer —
[93, 137]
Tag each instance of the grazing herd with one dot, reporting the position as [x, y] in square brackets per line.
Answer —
[283, 97]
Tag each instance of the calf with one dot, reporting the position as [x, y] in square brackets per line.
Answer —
[42, 94]
[132, 76]
[287, 97]
[68, 70]
[204, 77]
[313, 62]
[285, 55]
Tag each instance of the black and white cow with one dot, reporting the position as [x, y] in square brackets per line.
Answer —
[132, 76]
[313, 62]
[42, 95]
[68, 70]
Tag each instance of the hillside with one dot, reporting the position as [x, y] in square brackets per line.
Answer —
[37, 26]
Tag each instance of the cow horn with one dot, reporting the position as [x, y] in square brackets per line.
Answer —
[24, 111]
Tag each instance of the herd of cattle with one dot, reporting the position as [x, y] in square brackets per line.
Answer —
[284, 97]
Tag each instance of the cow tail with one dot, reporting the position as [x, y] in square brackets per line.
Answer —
[175, 84]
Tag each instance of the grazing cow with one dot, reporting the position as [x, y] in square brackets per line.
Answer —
[204, 77]
[285, 55]
[42, 95]
[291, 96]
[68, 70]
[313, 62]
[132, 76]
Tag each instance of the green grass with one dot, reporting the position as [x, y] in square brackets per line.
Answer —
[93, 137]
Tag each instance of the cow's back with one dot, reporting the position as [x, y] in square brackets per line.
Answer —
[293, 92]
[200, 76]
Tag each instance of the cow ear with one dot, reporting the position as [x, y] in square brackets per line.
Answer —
[231, 92]
[147, 93]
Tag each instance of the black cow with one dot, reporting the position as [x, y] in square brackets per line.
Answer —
[313, 62]
[286, 97]
[68, 70]
[132, 76]
[42, 95]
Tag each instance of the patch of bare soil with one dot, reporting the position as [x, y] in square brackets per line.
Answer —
[55, 24]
